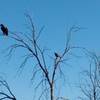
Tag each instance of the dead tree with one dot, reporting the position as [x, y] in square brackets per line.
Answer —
[38, 53]
[91, 79]
[6, 93]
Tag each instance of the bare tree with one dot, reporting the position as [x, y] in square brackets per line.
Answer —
[6, 93]
[90, 83]
[37, 53]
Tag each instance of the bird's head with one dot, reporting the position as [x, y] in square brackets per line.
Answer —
[1, 25]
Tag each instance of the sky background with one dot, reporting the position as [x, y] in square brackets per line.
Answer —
[57, 16]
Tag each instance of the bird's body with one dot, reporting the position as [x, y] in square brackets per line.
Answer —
[4, 30]
[56, 55]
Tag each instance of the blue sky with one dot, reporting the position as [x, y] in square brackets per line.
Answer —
[57, 16]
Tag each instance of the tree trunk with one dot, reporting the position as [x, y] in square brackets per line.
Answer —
[52, 92]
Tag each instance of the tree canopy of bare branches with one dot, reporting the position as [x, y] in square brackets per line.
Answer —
[5, 91]
[35, 51]
[90, 85]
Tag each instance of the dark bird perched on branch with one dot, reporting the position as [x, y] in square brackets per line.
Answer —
[56, 55]
[4, 30]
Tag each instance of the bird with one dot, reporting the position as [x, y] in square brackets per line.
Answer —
[56, 55]
[4, 30]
